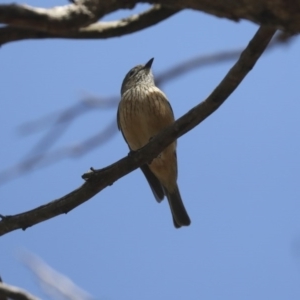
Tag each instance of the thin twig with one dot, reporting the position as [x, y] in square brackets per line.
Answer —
[54, 284]
[195, 63]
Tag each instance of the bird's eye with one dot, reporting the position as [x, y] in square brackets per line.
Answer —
[131, 73]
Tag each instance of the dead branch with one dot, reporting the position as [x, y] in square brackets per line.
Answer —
[100, 30]
[52, 20]
[100, 179]
[72, 21]
[282, 14]
[15, 293]
[189, 65]
[40, 157]
[53, 283]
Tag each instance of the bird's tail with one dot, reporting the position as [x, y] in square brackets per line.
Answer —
[179, 213]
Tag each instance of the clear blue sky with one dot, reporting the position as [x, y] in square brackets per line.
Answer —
[238, 171]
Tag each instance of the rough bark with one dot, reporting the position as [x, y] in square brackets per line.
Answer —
[79, 20]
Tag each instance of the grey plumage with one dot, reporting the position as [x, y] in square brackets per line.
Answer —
[142, 113]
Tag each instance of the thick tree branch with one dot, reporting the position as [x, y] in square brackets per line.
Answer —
[15, 293]
[39, 156]
[52, 20]
[282, 14]
[100, 30]
[2, 295]
[60, 19]
[77, 21]
[100, 179]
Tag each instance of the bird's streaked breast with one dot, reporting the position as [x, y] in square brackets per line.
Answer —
[143, 112]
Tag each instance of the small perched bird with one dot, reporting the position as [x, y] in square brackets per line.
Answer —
[143, 112]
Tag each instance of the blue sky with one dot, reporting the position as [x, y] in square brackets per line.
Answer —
[238, 170]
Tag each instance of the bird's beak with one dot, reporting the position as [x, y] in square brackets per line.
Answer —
[149, 64]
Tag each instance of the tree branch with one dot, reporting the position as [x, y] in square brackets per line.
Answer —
[51, 20]
[71, 21]
[60, 19]
[15, 293]
[100, 179]
[282, 14]
[100, 30]
[39, 156]
[42, 159]
[2, 295]
[54, 284]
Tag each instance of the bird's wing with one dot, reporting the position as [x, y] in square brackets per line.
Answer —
[154, 183]
[118, 121]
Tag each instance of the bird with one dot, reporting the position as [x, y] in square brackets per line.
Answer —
[143, 112]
